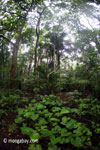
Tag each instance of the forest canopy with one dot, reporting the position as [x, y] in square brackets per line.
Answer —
[35, 32]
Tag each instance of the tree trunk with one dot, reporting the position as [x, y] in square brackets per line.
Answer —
[54, 58]
[58, 59]
[14, 59]
[35, 57]
[30, 65]
[47, 57]
[36, 44]
[37, 37]
[16, 48]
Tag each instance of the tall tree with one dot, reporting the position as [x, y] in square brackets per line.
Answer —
[20, 10]
[37, 36]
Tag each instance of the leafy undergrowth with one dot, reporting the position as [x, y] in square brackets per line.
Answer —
[51, 123]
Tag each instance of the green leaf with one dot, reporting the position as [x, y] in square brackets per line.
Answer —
[56, 129]
[38, 147]
[71, 124]
[28, 114]
[54, 119]
[39, 106]
[54, 109]
[65, 111]
[48, 115]
[20, 111]
[31, 115]
[74, 110]
[98, 130]
[34, 117]
[64, 132]
[53, 147]
[33, 101]
[88, 143]
[77, 142]
[55, 140]
[19, 120]
[44, 127]
[42, 121]
[45, 111]
[46, 133]
[31, 147]
[65, 120]
[35, 136]
[25, 99]
[65, 140]
[34, 147]
[27, 130]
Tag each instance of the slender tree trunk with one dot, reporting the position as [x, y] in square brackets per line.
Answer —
[47, 57]
[38, 60]
[54, 58]
[30, 65]
[58, 59]
[14, 59]
[29, 68]
[35, 57]
[37, 37]
[36, 44]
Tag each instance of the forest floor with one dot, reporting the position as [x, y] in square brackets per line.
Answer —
[5, 135]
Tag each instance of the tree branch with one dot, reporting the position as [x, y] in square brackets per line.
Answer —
[7, 39]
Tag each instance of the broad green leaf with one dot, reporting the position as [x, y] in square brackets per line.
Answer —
[21, 111]
[64, 132]
[77, 142]
[65, 111]
[55, 140]
[34, 117]
[65, 120]
[42, 121]
[71, 124]
[31, 115]
[46, 133]
[54, 109]
[35, 136]
[54, 119]
[27, 130]
[19, 120]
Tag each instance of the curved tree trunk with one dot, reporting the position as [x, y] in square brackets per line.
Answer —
[15, 51]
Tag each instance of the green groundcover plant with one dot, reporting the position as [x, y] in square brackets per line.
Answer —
[48, 119]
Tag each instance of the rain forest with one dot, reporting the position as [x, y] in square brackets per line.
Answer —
[49, 75]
